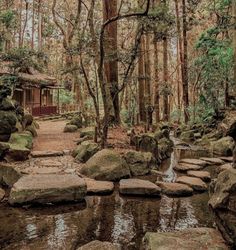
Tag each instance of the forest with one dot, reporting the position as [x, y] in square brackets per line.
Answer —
[117, 124]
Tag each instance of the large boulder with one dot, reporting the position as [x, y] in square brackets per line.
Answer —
[222, 203]
[192, 238]
[4, 147]
[224, 146]
[139, 187]
[187, 136]
[85, 151]
[27, 120]
[165, 148]
[106, 165]
[140, 163]
[98, 245]
[228, 125]
[51, 188]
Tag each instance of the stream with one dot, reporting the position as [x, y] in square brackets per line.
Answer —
[118, 219]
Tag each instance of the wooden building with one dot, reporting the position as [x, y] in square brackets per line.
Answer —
[34, 91]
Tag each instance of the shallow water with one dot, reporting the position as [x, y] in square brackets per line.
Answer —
[118, 219]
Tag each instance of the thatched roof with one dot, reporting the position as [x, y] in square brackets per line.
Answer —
[32, 78]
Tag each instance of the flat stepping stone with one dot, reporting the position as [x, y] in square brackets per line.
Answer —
[192, 238]
[212, 161]
[204, 175]
[98, 245]
[224, 167]
[2, 194]
[50, 163]
[227, 159]
[194, 162]
[99, 187]
[175, 189]
[41, 170]
[139, 187]
[51, 188]
[196, 183]
[182, 167]
[39, 154]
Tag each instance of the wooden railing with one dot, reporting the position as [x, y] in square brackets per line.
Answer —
[67, 108]
[44, 110]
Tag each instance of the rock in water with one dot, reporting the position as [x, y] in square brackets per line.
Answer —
[98, 245]
[139, 162]
[223, 204]
[213, 161]
[194, 162]
[175, 189]
[195, 183]
[106, 165]
[204, 175]
[224, 146]
[188, 239]
[45, 189]
[99, 187]
[139, 187]
[182, 167]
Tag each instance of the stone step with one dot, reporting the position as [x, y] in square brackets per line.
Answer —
[40, 154]
[51, 188]
[182, 167]
[204, 175]
[139, 187]
[99, 187]
[194, 162]
[195, 183]
[175, 189]
[212, 161]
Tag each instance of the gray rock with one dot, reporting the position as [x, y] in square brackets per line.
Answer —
[70, 128]
[9, 175]
[138, 187]
[52, 188]
[106, 165]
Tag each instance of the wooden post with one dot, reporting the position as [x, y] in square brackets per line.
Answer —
[40, 101]
[58, 101]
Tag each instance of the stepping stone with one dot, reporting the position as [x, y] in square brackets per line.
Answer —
[139, 187]
[185, 167]
[42, 170]
[50, 163]
[2, 194]
[175, 189]
[192, 238]
[39, 154]
[204, 175]
[194, 162]
[99, 187]
[227, 159]
[196, 183]
[98, 245]
[224, 167]
[212, 161]
[51, 188]
[9, 175]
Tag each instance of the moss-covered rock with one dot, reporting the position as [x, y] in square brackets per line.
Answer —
[140, 163]
[88, 132]
[187, 136]
[27, 120]
[8, 175]
[77, 121]
[32, 130]
[147, 143]
[165, 148]
[70, 128]
[8, 122]
[106, 165]
[85, 151]
[224, 146]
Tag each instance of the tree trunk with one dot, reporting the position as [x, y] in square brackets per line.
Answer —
[157, 91]
[185, 64]
[111, 63]
[141, 81]
[165, 80]
[39, 25]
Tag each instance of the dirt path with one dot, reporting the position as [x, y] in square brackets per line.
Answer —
[51, 137]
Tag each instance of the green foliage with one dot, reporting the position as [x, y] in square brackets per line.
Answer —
[8, 80]
[65, 97]
[24, 58]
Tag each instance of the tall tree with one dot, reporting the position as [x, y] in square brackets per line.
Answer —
[111, 62]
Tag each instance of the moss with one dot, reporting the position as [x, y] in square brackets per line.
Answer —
[21, 140]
